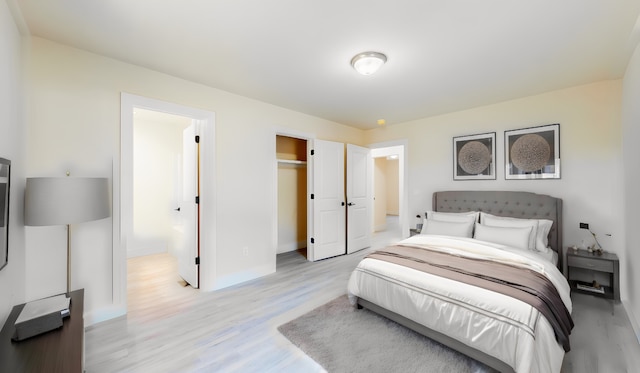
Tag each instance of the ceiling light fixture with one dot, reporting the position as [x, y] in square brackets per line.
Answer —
[367, 63]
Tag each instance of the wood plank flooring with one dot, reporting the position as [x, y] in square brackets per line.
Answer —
[173, 328]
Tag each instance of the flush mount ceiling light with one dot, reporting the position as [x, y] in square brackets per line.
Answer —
[367, 63]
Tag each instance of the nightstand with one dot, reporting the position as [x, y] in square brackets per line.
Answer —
[607, 263]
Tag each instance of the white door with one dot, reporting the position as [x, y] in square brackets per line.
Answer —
[328, 226]
[359, 198]
[188, 247]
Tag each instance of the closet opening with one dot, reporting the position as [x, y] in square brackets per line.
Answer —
[291, 155]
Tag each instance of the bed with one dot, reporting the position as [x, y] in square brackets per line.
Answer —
[503, 332]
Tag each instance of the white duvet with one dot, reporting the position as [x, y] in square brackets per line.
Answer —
[496, 324]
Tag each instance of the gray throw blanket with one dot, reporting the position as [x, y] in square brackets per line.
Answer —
[526, 285]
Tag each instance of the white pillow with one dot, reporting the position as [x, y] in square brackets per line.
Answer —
[542, 239]
[541, 232]
[447, 228]
[505, 222]
[513, 237]
[458, 217]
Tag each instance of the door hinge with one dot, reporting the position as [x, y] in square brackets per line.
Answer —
[197, 260]
[313, 152]
[312, 240]
[197, 200]
[312, 196]
[197, 139]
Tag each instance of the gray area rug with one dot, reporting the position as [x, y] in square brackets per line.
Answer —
[343, 339]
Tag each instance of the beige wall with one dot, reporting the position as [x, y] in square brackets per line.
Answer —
[74, 106]
[590, 147]
[12, 147]
[630, 253]
[393, 201]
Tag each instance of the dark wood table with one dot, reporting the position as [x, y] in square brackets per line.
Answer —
[59, 350]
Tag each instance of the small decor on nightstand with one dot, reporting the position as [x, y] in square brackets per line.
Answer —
[419, 224]
[595, 248]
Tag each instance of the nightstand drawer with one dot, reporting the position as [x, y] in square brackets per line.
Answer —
[590, 263]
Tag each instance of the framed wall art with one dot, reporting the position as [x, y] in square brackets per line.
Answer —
[532, 153]
[473, 157]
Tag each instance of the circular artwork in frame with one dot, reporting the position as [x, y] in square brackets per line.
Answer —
[532, 153]
[474, 157]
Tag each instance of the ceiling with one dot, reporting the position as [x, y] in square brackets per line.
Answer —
[443, 55]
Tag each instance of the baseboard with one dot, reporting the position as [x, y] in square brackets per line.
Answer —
[103, 314]
[243, 276]
[632, 319]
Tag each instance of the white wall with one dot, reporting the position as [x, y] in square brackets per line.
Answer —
[157, 178]
[74, 102]
[590, 149]
[12, 147]
[630, 254]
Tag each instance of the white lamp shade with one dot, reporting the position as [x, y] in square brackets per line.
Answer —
[65, 200]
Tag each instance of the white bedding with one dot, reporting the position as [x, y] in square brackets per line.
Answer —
[549, 255]
[493, 323]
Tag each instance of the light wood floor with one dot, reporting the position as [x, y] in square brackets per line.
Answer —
[173, 328]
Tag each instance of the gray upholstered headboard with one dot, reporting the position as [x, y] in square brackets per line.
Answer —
[507, 203]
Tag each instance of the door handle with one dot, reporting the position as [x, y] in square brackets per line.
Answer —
[351, 204]
[178, 209]
[342, 204]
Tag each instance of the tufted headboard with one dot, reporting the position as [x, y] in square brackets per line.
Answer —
[523, 205]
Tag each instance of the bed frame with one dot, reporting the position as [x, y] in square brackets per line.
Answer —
[503, 203]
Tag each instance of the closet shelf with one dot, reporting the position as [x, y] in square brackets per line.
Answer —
[291, 161]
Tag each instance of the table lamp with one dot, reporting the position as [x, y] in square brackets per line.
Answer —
[65, 201]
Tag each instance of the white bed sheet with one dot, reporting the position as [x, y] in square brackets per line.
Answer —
[549, 255]
[493, 323]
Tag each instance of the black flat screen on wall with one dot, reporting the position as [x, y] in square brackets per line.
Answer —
[5, 178]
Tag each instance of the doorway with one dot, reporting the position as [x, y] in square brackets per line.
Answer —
[124, 195]
[165, 237]
[390, 188]
[386, 209]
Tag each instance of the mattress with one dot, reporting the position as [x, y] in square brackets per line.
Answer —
[495, 324]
